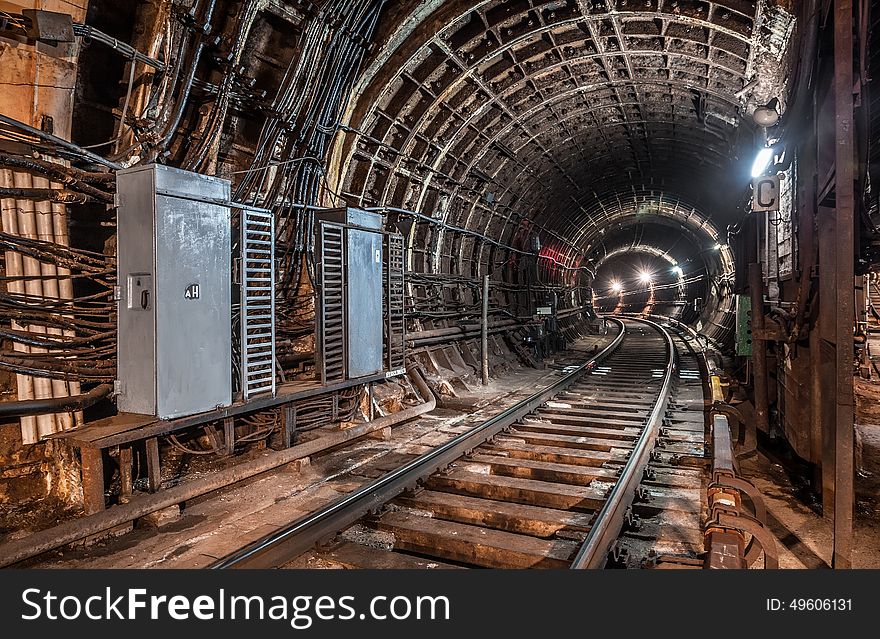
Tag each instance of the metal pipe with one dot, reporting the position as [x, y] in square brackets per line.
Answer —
[15, 271]
[52, 195]
[90, 32]
[464, 329]
[46, 227]
[433, 341]
[60, 172]
[759, 346]
[33, 269]
[70, 531]
[484, 331]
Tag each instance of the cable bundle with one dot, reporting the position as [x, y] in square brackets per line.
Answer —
[71, 339]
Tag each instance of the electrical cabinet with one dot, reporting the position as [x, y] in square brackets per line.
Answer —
[174, 297]
[744, 325]
[360, 285]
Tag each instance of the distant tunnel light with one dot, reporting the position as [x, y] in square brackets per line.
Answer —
[762, 162]
[646, 277]
[617, 287]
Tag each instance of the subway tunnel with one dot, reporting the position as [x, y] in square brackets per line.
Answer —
[241, 235]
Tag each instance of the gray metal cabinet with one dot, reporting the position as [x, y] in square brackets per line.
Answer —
[174, 263]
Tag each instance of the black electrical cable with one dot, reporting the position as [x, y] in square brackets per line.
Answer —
[30, 407]
[54, 140]
[90, 32]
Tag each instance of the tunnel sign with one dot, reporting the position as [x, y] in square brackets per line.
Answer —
[766, 194]
[192, 292]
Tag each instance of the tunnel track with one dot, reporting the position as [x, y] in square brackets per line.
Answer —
[548, 482]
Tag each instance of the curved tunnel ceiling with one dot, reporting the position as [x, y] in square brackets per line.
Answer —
[572, 113]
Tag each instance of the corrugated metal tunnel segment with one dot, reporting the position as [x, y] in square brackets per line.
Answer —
[497, 111]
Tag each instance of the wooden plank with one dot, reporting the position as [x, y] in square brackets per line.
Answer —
[522, 519]
[229, 436]
[641, 388]
[126, 483]
[351, 555]
[574, 420]
[637, 416]
[556, 454]
[383, 465]
[121, 423]
[592, 393]
[128, 427]
[154, 472]
[289, 424]
[92, 480]
[521, 491]
[544, 471]
[475, 545]
[623, 377]
[625, 434]
[598, 402]
[585, 443]
[597, 407]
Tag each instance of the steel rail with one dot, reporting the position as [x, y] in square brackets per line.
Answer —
[709, 367]
[286, 544]
[609, 520]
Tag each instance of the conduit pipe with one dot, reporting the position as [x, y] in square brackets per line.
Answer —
[46, 222]
[55, 404]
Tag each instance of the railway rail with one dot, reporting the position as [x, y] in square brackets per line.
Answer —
[549, 482]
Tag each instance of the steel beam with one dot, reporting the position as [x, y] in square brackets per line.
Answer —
[844, 281]
[759, 346]
[484, 332]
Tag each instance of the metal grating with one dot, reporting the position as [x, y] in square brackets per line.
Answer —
[395, 325]
[257, 302]
[332, 315]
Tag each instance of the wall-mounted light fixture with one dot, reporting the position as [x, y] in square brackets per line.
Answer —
[762, 162]
[768, 115]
